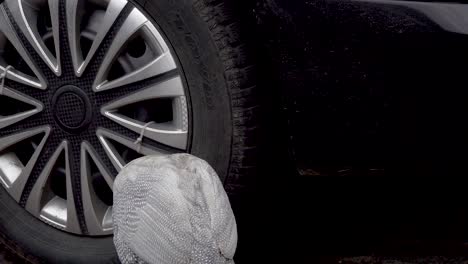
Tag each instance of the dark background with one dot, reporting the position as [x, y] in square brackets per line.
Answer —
[364, 134]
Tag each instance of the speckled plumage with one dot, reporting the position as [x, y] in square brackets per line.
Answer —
[172, 209]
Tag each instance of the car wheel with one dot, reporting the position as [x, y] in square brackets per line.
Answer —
[91, 85]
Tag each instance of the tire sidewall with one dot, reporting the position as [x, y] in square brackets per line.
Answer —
[210, 111]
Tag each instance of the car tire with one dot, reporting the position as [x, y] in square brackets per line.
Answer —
[206, 39]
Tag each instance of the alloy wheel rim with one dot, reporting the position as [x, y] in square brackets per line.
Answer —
[89, 78]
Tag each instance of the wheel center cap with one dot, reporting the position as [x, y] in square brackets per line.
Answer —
[72, 109]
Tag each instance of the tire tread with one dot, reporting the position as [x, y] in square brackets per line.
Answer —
[240, 78]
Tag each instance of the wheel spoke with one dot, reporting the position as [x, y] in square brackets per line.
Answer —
[19, 127]
[158, 132]
[95, 211]
[170, 88]
[54, 9]
[9, 32]
[20, 77]
[74, 9]
[24, 16]
[113, 11]
[16, 183]
[162, 64]
[48, 206]
[173, 134]
[104, 135]
[12, 119]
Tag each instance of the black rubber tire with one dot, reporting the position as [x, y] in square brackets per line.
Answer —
[207, 41]
[205, 37]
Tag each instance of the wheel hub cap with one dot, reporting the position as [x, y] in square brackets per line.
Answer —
[78, 97]
[72, 109]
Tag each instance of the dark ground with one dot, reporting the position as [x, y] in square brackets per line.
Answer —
[2, 258]
[6, 257]
[334, 220]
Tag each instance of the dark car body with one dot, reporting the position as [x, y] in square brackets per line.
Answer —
[367, 87]
[364, 88]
